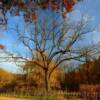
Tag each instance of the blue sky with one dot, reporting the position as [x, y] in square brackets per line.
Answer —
[92, 8]
[88, 7]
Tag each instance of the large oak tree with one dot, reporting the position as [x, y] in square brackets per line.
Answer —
[51, 38]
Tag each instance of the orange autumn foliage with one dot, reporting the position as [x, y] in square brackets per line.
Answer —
[64, 6]
[2, 46]
[34, 16]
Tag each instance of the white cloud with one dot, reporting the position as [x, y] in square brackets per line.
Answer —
[11, 67]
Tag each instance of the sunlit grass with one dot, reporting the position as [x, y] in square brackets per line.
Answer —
[11, 98]
[38, 98]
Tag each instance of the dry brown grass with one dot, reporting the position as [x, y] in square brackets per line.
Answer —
[11, 98]
[74, 98]
[60, 97]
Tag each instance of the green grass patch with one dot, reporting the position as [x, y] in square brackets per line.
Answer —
[28, 97]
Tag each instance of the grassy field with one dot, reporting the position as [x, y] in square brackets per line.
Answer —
[25, 98]
[11, 98]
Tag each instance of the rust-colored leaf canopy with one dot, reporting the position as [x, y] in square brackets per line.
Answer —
[2, 46]
[54, 4]
[30, 6]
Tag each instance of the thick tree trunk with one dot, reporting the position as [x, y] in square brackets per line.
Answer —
[46, 81]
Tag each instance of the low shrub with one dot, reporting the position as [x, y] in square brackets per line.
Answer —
[90, 92]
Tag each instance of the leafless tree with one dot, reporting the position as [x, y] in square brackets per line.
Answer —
[51, 40]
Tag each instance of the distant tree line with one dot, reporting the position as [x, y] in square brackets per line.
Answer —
[31, 83]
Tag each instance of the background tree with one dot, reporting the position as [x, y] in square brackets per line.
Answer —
[94, 71]
[6, 81]
[90, 75]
